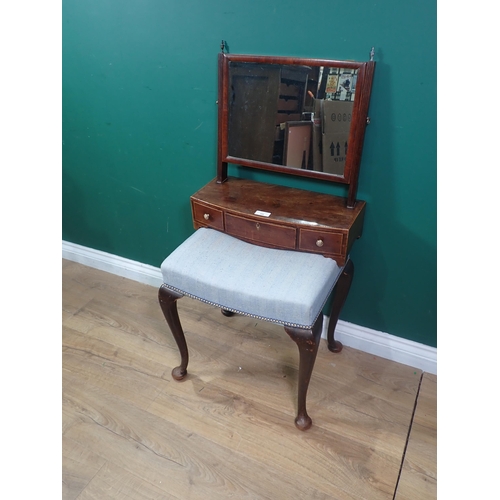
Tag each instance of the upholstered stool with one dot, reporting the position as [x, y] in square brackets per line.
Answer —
[282, 286]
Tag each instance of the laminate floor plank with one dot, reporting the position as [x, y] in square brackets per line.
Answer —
[98, 368]
[130, 431]
[169, 455]
[419, 473]
[269, 437]
[80, 465]
[115, 483]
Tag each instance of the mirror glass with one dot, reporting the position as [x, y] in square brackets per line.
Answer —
[297, 116]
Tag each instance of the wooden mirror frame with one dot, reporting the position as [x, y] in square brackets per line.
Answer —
[356, 133]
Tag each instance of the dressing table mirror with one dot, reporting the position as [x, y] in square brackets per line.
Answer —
[265, 250]
[303, 117]
[296, 116]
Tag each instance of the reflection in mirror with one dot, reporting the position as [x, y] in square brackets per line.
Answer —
[292, 115]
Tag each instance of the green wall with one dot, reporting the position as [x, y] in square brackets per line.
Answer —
[140, 131]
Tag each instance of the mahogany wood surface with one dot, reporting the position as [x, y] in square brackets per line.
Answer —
[221, 116]
[308, 342]
[359, 122]
[339, 295]
[298, 219]
[168, 304]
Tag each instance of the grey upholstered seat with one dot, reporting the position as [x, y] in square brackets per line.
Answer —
[281, 286]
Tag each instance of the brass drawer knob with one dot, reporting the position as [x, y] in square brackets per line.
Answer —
[206, 216]
[319, 243]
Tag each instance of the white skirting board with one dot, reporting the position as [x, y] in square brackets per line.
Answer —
[365, 339]
[385, 345]
[144, 273]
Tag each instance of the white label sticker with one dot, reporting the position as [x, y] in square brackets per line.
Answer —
[264, 214]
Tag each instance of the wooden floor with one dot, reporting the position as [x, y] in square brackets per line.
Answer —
[227, 430]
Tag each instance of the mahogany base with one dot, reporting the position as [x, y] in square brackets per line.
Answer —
[339, 295]
[308, 343]
[168, 304]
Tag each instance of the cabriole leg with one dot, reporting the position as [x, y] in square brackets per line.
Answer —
[308, 343]
[168, 303]
[339, 296]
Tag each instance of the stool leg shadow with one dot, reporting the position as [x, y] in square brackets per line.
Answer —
[307, 341]
[168, 304]
[339, 297]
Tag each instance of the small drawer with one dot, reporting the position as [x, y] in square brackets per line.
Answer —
[207, 215]
[324, 242]
[260, 232]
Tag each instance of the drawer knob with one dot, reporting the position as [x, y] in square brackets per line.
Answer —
[206, 216]
[319, 243]
[257, 225]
